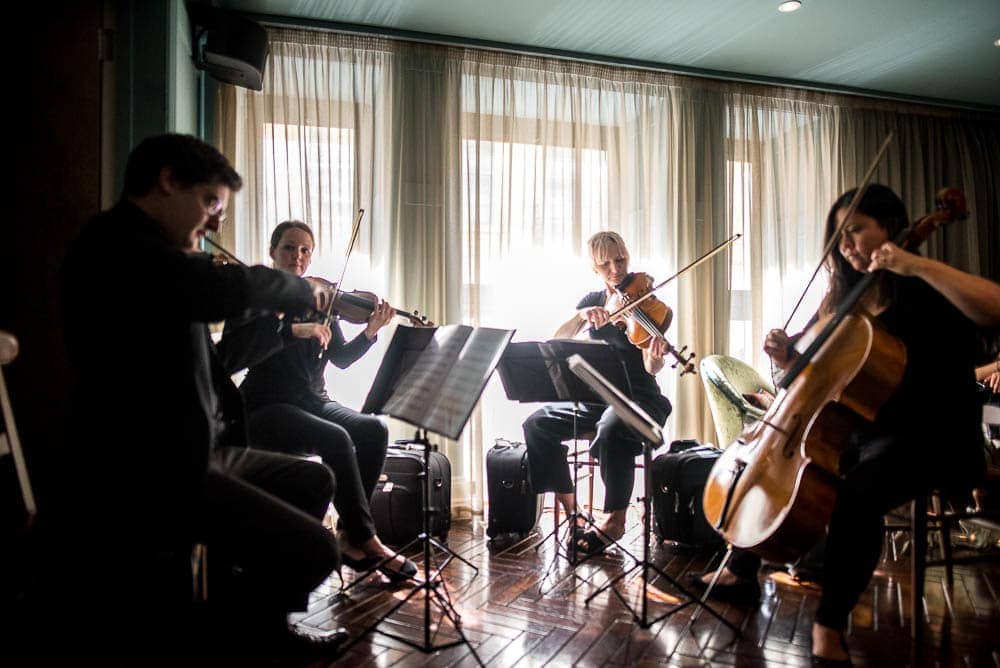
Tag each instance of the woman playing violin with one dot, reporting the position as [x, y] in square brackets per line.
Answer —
[614, 446]
[927, 435]
[290, 410]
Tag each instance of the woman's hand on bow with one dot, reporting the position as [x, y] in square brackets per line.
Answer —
[778, 347]
[596, 316]
[313, 330]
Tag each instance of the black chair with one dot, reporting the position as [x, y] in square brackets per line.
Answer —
[933, 513]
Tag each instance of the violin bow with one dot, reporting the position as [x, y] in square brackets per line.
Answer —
[835, 237]
[347, 257]
[718, 249]
[224, 251]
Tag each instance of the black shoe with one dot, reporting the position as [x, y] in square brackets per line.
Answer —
[405, 572]
[823, 662]
[741, 591]
[298, 647]
[592, 543]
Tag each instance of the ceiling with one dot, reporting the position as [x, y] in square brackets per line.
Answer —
[934, 50]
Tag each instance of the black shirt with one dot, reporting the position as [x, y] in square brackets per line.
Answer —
[283, 368]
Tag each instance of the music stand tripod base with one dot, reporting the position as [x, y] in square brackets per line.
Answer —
[651, 435]
[433, 586]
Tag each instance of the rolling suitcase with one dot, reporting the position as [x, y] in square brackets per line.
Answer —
[398, 502]
[513, 505]
[679, 478]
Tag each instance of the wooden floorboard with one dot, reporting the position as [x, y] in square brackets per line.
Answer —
[527, 607]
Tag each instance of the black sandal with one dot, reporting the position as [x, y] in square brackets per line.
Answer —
[591, 543]
[405, 572]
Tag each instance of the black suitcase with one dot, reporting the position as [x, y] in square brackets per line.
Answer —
[679, 478]
[513, 506]
[398, 502]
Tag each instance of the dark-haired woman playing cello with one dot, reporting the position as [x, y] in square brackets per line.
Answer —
[926, 435]
[290, 411]
[614, 446]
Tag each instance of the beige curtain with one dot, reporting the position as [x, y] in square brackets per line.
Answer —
[483, 173]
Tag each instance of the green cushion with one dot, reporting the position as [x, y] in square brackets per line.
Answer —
[726, 380]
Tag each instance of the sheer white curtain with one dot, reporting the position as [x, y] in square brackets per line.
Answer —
[483, 173]
[547, 153]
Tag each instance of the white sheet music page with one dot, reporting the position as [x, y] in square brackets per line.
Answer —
[440, 390]
[466, 380]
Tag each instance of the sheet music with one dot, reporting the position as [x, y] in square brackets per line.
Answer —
[444, 383]
[466, 380]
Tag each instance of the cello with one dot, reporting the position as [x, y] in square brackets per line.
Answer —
[773, 490]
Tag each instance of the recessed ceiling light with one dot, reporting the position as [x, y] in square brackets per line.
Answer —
[789, 6]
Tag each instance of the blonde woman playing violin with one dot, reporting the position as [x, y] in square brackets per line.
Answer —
[614, 445]
[290, 410]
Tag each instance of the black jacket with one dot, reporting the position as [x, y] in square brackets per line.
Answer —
[152, 399]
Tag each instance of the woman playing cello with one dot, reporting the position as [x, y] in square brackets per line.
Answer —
[926, 435]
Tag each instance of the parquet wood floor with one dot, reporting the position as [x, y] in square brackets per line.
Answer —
[513, 616]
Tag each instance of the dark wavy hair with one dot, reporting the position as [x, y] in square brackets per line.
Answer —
[287, 225]
[190, 160]
[882, 204]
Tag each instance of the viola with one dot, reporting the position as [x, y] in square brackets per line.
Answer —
[648, 319]
[772, 491]
[357, 306]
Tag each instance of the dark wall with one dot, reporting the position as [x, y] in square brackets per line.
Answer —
[56, 187]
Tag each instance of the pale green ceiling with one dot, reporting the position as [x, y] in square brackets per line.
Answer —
[940, 49]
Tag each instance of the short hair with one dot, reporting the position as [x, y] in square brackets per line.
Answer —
[288, 225]
[602, 243]
[190, 160]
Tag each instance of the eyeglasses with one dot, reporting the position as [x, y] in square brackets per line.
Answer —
[215, 208]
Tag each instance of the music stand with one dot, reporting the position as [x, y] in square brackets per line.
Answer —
[652, 437]
[534, 371]
[432, 379]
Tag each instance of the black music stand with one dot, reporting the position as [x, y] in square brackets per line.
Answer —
[432, 378]
[538, 371]
[652, 437]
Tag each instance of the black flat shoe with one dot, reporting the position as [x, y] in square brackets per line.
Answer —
[741, 591]
[823, 662]
[405, 572]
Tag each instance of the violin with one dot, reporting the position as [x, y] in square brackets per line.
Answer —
[648, 319]
[357, 306]
[772, 491]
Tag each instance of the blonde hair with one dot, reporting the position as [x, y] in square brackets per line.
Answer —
[607, 246]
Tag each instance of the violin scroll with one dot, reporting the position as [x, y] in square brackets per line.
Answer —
[950, 207]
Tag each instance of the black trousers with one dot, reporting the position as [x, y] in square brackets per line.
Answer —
[127, 554]
[262, 519]
[614, 446]
[352, 444]
[878, 475]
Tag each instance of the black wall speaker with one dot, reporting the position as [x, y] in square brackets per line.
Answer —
[230, 47]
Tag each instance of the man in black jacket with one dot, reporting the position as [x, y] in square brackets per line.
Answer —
[166, 463]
